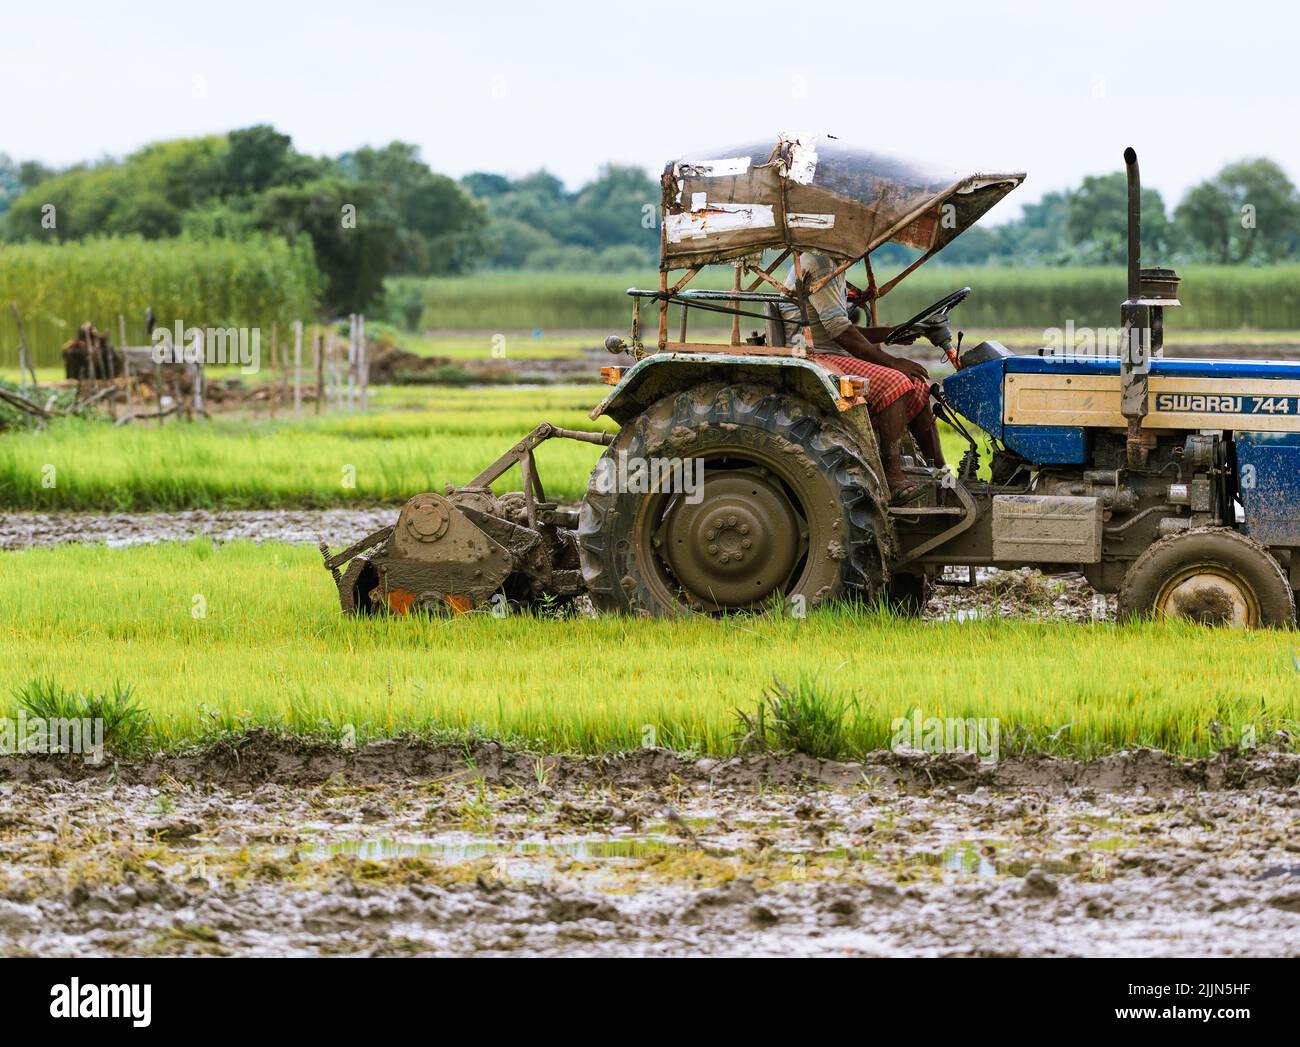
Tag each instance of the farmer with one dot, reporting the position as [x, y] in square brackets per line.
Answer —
[898, 390]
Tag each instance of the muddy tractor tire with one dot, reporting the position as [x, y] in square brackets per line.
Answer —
[1211, 575]
[783, 516]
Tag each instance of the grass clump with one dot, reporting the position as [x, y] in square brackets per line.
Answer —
[803, 719]
[127, 724]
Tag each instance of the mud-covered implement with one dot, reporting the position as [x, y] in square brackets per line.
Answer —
[454, 552]
[746, 476]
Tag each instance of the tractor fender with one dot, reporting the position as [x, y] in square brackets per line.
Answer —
[661, 374]
[655, 376]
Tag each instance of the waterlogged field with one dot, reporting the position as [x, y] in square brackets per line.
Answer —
[216, 640]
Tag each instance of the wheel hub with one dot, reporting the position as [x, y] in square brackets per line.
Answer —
[738, 544]
[1211, 597]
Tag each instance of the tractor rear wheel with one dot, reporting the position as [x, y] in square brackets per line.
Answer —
[1211, 575]
[783, 514]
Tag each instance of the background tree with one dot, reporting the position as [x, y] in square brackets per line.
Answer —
[1248, 212]
[353, 258]
[1096, 221]
[439, 226]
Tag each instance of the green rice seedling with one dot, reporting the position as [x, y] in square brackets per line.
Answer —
[126, 722]
[804, 718]
[272, 650]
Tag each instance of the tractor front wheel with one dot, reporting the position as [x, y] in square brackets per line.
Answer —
[726, 498]
[1211, 575]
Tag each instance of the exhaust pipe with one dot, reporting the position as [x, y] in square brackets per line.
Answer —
[1134, 224]
[1136, 322]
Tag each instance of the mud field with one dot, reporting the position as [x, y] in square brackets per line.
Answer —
[299, 526]
[272, 849]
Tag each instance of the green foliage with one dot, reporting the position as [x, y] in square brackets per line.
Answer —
[146, 194]
[353, 259]
[127, 724]
[248, 464]
[10, 182]
[12, 418]
[437, 224]
[273, 650]
[402, 303]
[1214, 298]
[804, 719]
[1096, 221]
[219, 283]
[407, 219]
[535, 223]
[1249, 212]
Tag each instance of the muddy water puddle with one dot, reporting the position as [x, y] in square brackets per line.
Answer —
[462, 866]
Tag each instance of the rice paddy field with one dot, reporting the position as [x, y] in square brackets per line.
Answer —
[1222, 298]
[269, 648]
[428, 438]
[284, 780]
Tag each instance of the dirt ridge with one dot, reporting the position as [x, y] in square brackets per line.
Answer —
[260, 756]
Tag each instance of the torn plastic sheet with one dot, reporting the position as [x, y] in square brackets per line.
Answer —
[796, 220]
[732, 165]
[874, 197]
[803, 160]
[716, 218]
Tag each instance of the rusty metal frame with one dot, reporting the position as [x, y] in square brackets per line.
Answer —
[522, 455]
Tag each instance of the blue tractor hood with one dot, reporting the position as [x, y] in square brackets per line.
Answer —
[977, 393]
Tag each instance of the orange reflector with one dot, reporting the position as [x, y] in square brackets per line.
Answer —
[611, 375]
[851, 387]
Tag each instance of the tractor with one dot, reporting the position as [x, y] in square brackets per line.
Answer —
[744, 476]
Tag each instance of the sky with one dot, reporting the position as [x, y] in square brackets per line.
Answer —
[1057, 90]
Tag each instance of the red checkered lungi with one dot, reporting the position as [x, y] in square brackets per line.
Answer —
[884, 384]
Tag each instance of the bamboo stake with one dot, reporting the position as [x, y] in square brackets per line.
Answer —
[363, 365]
[297, 367]
[275, 355]
[352, 361]
[319, 349]
[24, 353]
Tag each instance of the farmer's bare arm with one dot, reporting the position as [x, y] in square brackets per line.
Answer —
[855, 343]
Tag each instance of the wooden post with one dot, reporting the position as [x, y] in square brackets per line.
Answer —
[297, 367]
[735, 304]
[24, 353]
[275, 356]
[319, 347]
[121, 345]
[331, 356]
[158, 381]
[352, 361]
[126, 365]
[363, 365]
[284, 369]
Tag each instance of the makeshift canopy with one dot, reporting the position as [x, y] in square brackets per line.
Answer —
[814, 194]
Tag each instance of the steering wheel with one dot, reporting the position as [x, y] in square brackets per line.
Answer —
[931, 316]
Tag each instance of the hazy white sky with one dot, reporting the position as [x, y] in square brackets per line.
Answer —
[502, 85]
